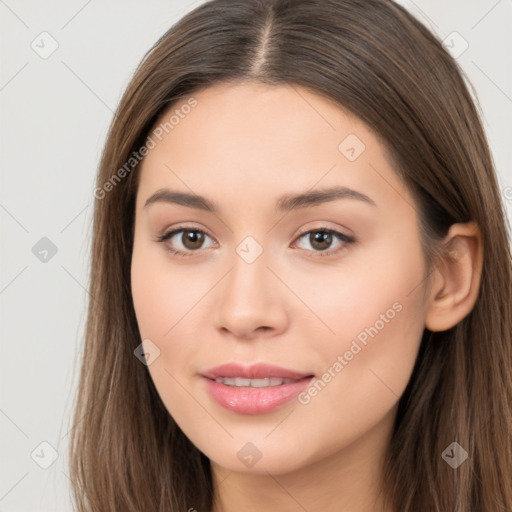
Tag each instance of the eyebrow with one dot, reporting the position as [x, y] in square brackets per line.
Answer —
[285, 203]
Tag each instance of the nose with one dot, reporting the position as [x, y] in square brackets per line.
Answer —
[250, 303]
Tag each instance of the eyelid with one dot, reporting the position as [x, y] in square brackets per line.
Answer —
[171, 232]
[323, 227]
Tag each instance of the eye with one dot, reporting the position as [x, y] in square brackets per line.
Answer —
[191, 240]
[322, 239]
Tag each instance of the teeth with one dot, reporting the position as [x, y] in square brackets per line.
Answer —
[261, 383]
[240, 382]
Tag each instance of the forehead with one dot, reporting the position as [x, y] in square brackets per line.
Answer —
[232, 140]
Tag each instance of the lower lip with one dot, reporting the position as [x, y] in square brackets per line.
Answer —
[248, 400]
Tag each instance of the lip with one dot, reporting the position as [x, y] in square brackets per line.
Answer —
[255, 371]
[260, 400]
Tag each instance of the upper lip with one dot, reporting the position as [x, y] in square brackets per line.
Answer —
[255, 371]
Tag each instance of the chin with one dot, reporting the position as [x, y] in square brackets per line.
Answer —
[259, 457]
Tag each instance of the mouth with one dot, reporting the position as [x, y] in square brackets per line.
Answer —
[240, 382]
[254, 389]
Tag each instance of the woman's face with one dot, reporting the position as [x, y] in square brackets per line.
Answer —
[327, 289]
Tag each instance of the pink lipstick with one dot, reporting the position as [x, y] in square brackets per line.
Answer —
[255, 389]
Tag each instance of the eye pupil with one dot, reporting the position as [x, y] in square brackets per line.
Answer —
[322, 237]
[194, 237]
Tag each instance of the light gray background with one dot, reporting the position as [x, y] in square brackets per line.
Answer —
[55, 115]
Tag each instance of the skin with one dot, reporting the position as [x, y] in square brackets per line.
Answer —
[243, 146]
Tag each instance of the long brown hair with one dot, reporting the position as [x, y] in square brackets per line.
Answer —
[376, 60]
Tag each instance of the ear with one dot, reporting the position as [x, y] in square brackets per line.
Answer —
[456, 278]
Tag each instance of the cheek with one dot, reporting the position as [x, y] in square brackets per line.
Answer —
[372, 293]
[164, 300]
[163, 294]
[169, 301]
[365, 370]
[377, 314]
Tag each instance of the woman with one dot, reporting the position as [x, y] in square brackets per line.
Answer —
[301, 274]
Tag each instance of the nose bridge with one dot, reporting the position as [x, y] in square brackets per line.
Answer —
[249, 297]
[249, 275]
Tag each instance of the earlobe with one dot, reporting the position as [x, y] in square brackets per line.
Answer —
[456, 278]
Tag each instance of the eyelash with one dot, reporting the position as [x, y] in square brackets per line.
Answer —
[340, 236]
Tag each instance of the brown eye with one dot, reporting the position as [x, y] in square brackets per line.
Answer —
[184, 241]
[192, 239]
[322, 239]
